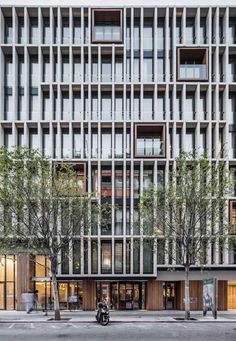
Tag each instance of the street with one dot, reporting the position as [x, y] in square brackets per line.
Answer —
[117, 331]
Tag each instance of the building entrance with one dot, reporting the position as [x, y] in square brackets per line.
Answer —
[169, 295]
[122, 296]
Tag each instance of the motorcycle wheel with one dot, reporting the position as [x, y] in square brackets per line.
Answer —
[104, 321]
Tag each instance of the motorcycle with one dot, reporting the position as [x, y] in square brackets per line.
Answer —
[102, 316]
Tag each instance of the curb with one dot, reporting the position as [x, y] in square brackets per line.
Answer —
[114, 322]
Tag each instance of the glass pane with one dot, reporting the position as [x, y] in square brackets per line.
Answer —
[10, 296]
[10, 268]
[2, 268]
[2, 296]
[40, 266]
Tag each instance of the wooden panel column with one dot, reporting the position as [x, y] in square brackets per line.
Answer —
[222, 295]
[154, 295]
[89, 295]
[25, 272]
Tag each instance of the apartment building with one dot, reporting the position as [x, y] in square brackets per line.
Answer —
[120, 90]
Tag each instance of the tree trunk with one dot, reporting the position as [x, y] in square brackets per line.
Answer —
[57, 314]
[186, 290]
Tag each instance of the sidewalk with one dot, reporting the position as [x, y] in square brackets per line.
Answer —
[116, 317]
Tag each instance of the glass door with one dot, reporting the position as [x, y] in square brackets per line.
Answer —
[169, 295]
[129, 295]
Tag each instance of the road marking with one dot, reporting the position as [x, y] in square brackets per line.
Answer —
[11, 326]
[181, 325]
[53, 326]
[72, 325]
[31, 325]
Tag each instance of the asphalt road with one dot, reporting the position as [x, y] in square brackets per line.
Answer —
[117, 331]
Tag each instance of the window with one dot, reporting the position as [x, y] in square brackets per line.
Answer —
[193, 64]
[136, 256]
[20, 137]
[118, 106]
[33, 34]
[34, 106]
[46, 142]
[46, 69]
[128, 256]
[94, 256]
[148, 69]
[55, 144]
[77, 69]
[8, 282]
[106, 73]
[21, 30]
[94, 151]
[106, 265]
[106, 146]
[21, 72]
[147, 257]
[9, 105]
[161, 106]
[77, 110]
[94, 68]
[76, 30]
[189, 141]
[65, 31]
[148, 35]
[149, 140]
[34, 142]
[65, 69]
[106, 107]
[190, 106]
[8, 139]
[106, 25]
[21, 106]
[118, 69]
[46, 31]
[118, 221]
[65, 259]
[118, 257]
[118, 143]
[34, 72]
[147, 176]
[65, 143]
[46, 107]
[148, 105]
[65, 110]
[8, 31]
[190, 31]
[8, 71]
[77, 147]
[106, 188]
[76, 257]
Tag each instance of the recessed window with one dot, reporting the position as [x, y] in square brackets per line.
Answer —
[149, 140]
[107, 25]
[192, 64]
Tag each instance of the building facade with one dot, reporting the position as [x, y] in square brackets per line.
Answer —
[119, 91]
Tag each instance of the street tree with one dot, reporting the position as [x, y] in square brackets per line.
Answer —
[45, 207]
[187, 214]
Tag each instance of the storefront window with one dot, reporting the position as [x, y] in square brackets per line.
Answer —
[8, 282]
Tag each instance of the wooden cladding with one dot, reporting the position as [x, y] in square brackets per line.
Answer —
[154, 295]
[89, 295]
